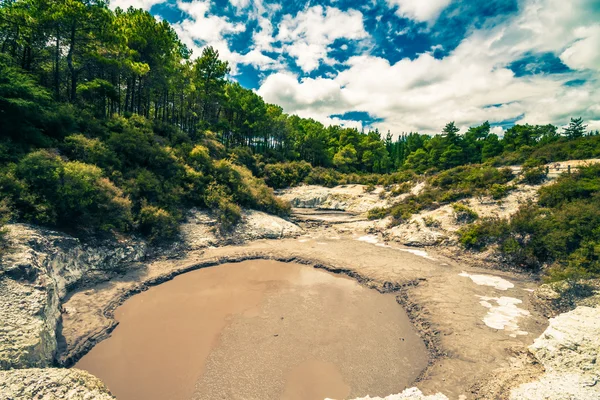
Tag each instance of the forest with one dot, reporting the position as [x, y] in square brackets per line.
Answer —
[109, 124]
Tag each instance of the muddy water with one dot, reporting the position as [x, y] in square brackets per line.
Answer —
[258, 330]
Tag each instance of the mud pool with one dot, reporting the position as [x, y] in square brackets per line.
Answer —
[258, 330]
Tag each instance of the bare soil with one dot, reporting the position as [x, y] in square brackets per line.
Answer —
[445, 307]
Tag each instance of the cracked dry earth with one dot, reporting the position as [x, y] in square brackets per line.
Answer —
[473, 321]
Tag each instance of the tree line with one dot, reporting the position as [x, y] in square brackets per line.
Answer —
[125, 62]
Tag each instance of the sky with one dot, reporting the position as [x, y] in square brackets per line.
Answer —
[405, 65]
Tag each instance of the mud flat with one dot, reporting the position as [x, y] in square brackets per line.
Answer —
[258, 330]
[469, 318]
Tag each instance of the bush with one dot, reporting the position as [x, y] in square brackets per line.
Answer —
[401, 188]
[5, 215]
[464, 214]
[534, 176]
[244, 189]
[581, 185]
[471, 178]
[499, 191]
[157, 224]
[90, 151]
[70, 194]
[282, 175]
[431, 222]
[482, 233]
[88, 199]
[227, 213]
[377, 213]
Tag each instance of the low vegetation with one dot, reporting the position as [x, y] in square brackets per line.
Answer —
[123, 175]
[560, 234]
[448, 187]
[463, 214]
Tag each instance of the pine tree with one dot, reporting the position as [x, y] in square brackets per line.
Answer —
[576, 129]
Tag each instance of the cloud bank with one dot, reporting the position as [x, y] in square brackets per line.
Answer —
[410, 65]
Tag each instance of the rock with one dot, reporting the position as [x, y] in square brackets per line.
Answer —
[51, 384]
[199, 229]
[413, 235]
[558, 386]
[571, 342]
[44, 264]
[36, 273]
[568, 351]
[351, 198]
[259, 225]
[408, 394]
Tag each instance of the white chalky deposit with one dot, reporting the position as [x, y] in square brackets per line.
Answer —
[408, 394]
[489, 280]
[372, 239]
[369, 239]
[504, 314]
[420, 253]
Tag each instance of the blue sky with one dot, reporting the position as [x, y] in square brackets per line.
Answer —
[405, 65]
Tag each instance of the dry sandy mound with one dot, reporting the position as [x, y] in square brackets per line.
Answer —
[568, 351]
[51, 384]
[199, 229]
[351, 198]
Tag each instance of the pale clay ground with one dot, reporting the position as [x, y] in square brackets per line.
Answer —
[449, 308]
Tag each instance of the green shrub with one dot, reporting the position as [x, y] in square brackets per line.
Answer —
[464, 214]
[377, 213]
[369, 188]
[157, 224]
[431, 222]
[471, 178]
[498, 191]
[243, 156]
[482, 233]
[583, 184]
[5, 216]
[284, 175]
[70, 194]
[534, 176]
[88, 199]
[401, 188]
[90, 151]
[227, 213]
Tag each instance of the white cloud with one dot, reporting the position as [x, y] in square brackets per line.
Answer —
[471, 85]
[585, 52]
[420, 10]
[263, 37]
[306, 36]
[309, 94]
[125, 4]
[240, 4]
[204, 29]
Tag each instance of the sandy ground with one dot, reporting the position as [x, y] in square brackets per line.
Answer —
[473, 321]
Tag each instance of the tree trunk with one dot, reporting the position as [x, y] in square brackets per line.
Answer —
[73, 94]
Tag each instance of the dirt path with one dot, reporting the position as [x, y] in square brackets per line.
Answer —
[472, 323]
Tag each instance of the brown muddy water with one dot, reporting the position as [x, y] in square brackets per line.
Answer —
[258, 330]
